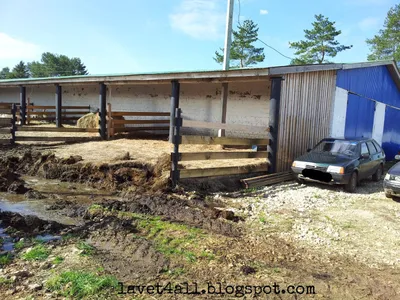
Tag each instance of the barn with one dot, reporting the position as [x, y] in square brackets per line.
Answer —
[310, 101]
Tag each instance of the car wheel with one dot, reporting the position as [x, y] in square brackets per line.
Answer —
[351, 186]
[388, 195]
[378, 174]
[299, 180]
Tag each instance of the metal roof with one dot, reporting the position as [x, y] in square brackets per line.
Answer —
[248, 74]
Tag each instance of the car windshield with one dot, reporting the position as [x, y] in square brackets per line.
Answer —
[337, 147]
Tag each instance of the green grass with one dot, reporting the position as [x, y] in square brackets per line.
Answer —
[58, 260]
[39, 252]
[170, 239]
[80, 284]
[19, 245]
[87, 250]
[5, 281]
[5, 259]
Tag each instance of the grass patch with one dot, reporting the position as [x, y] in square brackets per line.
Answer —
[87, 250]
[5, 259]
[19, 245]
[5, 281]
[58, 260]
[80, 284]
[39, 252]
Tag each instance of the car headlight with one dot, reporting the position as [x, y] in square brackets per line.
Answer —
[299, 164]
[387, 176]
[335, 169]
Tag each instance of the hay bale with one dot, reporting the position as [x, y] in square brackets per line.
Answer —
[90, 120]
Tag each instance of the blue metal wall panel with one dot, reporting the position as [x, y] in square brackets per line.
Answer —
[359, 117]
[374, 82]
[391, 133]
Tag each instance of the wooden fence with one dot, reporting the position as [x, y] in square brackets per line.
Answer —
[116, 122]
[177, 172]
[48, 113]
[8, 112]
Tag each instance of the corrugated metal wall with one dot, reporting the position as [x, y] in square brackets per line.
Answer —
[306, 109]
[359, 117]
[374, 84]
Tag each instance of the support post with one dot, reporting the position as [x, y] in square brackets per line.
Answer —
[110, 126]
[176, 140]
[174, 106]
[274, 110]
[103, 111]
[224, 101]
[22, 100]
[13, 123]
[58, 105]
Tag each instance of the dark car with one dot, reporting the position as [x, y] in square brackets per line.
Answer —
[341, 161]
[391, 184]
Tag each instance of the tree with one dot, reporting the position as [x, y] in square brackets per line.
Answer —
[54, 65]
[385, 45]
[4, 73]
[19, 71]
[243, 53]
[320, 43]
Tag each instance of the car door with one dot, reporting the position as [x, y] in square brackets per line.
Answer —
[375, 156]
[365, 163]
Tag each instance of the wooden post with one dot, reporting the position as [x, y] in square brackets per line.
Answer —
[224, 101]
[174, 106]
[274, 110]
[22, 99]
[58, 105]
[13, 123]
[176, 140]
[28, 104]
[110, 126]
[103, 111]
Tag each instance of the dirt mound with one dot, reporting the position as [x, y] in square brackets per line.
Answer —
[179, 210]
[11, 183]
[29, 223]
[138, 177]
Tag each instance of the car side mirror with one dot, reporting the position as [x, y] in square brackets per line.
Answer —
[397, 157]
[309, 149]
[365, 155]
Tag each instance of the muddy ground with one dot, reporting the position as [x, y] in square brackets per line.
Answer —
[121, 223]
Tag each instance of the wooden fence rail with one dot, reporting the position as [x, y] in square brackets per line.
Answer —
[48, 112]
[116, 121]
[9, 117]
[177, 170]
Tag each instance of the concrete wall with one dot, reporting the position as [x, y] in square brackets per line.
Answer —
[248, 103]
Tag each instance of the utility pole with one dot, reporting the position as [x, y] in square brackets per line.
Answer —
[228, 35]
[227, 53]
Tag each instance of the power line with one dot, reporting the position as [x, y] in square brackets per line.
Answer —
[285, 56]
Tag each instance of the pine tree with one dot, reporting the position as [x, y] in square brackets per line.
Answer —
[243, 52]
[386, 44]
[320, 42]
[19, 71]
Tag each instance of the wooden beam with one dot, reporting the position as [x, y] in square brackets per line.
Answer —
[33, 113]
[237, 127]
[55, 129]
[6, 111]
[208, 140]
[222, 171]
[58, 99]
[54, 139]
[41, 107]
[141, 128]
[190, 156]
[77, 107]
[22, 102]
[5, 141]
[140, 113]
[140, 121]
[5, 130]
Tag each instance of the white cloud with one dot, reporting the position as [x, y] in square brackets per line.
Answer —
[12, 48]
[200, 19]
[263, 12]
[368, 23]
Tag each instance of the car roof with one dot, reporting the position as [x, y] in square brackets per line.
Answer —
[349, 140]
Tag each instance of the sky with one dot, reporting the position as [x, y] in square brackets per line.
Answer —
[141, 36]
